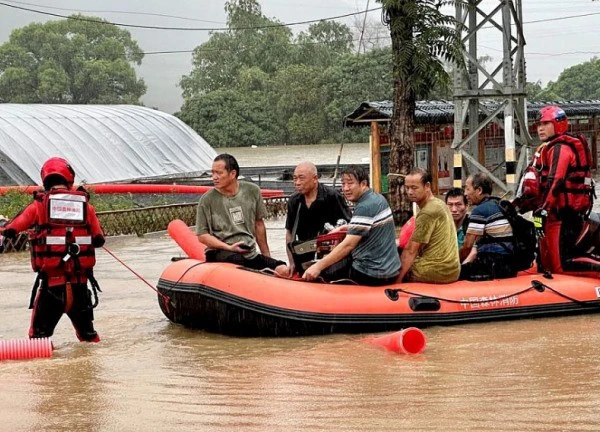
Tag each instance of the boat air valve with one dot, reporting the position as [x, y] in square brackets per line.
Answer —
[539, 286]
[392, 294]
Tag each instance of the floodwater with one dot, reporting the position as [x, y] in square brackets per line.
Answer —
[148, 374]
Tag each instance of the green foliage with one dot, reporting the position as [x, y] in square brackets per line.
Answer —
[265, 86]
[355, 78]
[536, 93]
[13, 201]
[70, 61]
[579, 82]
[423, 40]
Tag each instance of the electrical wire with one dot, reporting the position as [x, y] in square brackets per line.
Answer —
[116, 12]
[267, 26]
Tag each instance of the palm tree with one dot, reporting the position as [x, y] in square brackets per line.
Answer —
[423, 38]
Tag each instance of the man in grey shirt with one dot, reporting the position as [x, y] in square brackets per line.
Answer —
[229, 220]
[370, 239]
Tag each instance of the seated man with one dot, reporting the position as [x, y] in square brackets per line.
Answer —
[431, 254]
[309, 209]
[456, 200]
[489, 228]
[229, 220]
[370, 239]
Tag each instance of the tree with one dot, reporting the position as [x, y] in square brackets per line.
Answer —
[422, 38]
[78, 60]
[232, 118]
[218, 62]
[323, 44]
[355, 78]
[578, 82]
[537, 93]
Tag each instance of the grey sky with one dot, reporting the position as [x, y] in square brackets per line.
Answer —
[551, 46]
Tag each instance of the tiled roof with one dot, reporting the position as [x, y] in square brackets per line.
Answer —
[431, 112]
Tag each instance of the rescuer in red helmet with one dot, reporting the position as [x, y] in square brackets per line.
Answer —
[64, 232]
[559, 188]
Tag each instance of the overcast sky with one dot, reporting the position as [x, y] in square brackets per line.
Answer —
[551, 45]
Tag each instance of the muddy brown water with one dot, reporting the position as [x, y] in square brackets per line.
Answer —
[148, 374]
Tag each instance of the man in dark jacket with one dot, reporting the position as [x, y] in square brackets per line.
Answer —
[309, 209]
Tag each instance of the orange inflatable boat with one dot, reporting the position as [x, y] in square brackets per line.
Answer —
[224, 298]
[228, 299]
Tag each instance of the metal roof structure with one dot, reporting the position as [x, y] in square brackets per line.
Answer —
[103, 143]
[442, 112]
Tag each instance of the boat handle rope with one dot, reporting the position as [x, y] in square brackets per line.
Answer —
[392, 294]
[181, 277]
[165, 298]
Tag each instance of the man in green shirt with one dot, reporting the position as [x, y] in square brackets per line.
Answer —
[230, 220]
[432, 252]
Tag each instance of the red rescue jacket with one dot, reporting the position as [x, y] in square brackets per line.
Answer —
[565, 174]
[63, 225]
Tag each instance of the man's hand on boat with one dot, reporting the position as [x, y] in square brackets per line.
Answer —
[241, 248]
[312, 273]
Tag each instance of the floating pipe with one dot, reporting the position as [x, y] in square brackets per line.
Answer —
[407, 341]
[186, 239]
[406, 233]
[108, 188]
[23, 349]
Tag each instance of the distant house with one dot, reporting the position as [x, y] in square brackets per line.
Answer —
[435, 131]
[103, 143]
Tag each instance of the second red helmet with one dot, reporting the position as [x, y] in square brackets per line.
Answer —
[557, 116]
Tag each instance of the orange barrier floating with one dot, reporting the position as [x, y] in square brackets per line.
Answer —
[186, 239]
[406, 233]
[23, 349]
[407, 341]
[140, 189]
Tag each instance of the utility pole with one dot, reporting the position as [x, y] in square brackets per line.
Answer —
[502, 84]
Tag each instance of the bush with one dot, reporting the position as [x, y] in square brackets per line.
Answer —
[12, 202]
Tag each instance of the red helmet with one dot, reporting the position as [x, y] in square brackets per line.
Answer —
[557, 116]
[57, 167]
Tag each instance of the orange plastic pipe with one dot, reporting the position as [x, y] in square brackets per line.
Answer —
[22, 349]
[407, 341]
[140, 189]
[186, 239]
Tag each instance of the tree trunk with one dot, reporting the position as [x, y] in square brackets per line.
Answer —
[402, 128]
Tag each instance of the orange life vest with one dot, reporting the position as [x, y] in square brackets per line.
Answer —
[61, 242]
[576, 190]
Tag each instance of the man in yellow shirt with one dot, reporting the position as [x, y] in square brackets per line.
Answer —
[432, 252]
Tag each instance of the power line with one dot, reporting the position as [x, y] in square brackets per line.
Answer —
[561, 18]
[188, 28]
[116, 12]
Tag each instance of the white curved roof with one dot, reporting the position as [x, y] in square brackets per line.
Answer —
[103, 143]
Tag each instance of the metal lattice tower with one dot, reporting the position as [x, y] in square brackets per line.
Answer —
[502, 84]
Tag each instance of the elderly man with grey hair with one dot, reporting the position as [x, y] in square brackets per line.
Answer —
[490, 230]
[309, 209]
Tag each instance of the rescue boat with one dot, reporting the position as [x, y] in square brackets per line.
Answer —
[227, 299]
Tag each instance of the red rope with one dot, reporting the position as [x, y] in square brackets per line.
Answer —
[164, 297]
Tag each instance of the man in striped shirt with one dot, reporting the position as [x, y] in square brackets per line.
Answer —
[490, 230]
[370, 239]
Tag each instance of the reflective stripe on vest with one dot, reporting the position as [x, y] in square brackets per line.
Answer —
[60, 240]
